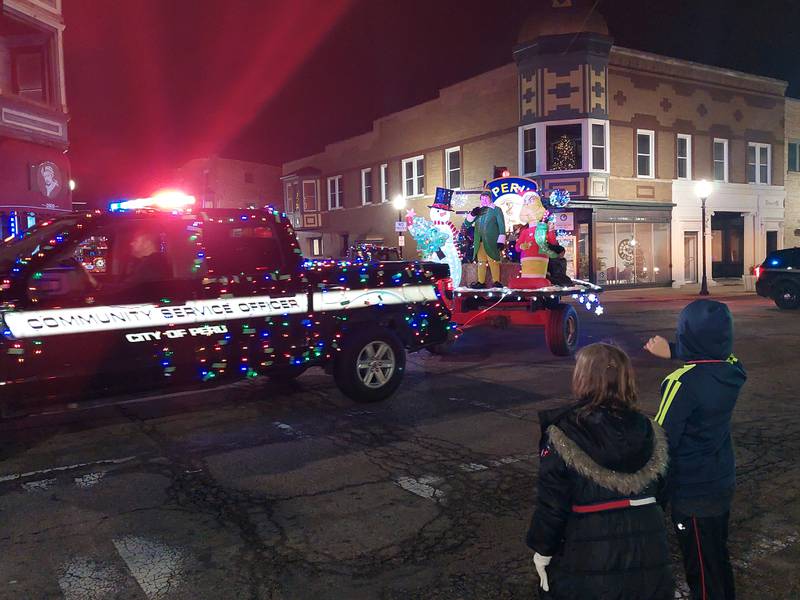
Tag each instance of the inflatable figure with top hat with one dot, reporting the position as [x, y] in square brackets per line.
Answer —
[436, 239]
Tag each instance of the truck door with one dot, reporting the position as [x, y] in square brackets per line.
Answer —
[251, 275]
[65, 337]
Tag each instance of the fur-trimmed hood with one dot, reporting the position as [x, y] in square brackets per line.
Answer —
[624, 483]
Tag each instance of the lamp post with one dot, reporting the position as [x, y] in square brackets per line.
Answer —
[703, 191]
[399, 203]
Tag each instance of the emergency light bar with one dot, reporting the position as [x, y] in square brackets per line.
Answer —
[166, 200]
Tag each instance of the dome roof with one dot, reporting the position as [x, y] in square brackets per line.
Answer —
[560, 17]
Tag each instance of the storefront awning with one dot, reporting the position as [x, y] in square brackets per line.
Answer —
[626, 211]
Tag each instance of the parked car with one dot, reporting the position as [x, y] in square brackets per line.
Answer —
[219, 294]
[778, 278]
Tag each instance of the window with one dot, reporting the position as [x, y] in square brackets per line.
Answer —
[248, 177]
[452, 166]
[233, 248]
[794, 156]
[292, 198]
[334, 192]
[310, 196]
[29, 72]
[720, 160]
[632, 253]
[529, 150]
[384, 182]
[414, 176]
[366, 186]
[598, 133]
[758, 163]
[684, 156]
[316, 246]
[564, 147]
[644, 153]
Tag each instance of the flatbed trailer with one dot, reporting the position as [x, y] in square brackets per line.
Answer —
[549, 307]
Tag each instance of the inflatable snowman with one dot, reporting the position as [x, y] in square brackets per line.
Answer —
[445, 250]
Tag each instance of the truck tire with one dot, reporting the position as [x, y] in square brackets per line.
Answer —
[370, 366]
[787, 295]
[561, 330]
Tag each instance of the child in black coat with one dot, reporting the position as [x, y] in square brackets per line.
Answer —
[557, 267]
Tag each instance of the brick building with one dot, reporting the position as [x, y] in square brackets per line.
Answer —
[219, 182]
[628, 133]
[34, 169]
[792, 226]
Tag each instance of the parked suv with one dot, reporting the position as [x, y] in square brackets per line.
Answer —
[141, 300]
[779, 278]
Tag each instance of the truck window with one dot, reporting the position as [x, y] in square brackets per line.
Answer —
[37, 239]
[92, 254]
[238, 248]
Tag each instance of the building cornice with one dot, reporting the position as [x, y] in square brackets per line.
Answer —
[627, 57]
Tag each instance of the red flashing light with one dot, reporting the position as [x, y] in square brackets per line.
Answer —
[757, 271]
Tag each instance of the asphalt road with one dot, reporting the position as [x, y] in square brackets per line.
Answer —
[257, 491]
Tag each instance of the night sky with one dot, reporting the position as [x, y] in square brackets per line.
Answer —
[154, 83]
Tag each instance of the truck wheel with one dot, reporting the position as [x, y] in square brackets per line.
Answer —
[561, 330]
[787, 296]
[285, 374]
[370, 366]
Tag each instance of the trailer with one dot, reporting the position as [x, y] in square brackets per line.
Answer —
[552, 308]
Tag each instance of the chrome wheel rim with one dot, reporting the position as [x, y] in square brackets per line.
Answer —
[375, 364]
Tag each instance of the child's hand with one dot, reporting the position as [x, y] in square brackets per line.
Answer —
[658, 346]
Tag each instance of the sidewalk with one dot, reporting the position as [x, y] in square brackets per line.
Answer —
[665, 294]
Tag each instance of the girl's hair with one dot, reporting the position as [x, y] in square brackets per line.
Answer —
[604, 377]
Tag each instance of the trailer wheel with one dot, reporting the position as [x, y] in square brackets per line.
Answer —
[561, 330]
[370, 366]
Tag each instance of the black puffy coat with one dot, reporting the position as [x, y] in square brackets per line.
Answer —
[596, 458]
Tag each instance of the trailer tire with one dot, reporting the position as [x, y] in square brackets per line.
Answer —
[561, 330]
[370, 366]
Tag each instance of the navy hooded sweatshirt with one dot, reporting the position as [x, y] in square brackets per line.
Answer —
[697, 402]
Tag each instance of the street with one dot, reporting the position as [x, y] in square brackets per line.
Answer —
[256, 491]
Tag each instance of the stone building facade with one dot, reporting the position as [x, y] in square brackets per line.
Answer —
[627, 133]
[34, 167]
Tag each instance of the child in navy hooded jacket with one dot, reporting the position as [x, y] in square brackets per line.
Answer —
[697, 402]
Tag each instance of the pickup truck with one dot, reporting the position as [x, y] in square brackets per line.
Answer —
[778, 278]
[110, 303]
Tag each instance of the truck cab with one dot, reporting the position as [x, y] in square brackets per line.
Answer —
[110, 303]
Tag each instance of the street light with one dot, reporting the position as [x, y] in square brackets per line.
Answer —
[399, 203]
[703, 190]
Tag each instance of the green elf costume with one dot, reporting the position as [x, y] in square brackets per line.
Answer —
[490, 239]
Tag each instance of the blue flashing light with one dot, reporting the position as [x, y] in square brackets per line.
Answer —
[774, 262]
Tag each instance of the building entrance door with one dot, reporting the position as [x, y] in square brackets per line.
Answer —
[727, 245]
[690, 256]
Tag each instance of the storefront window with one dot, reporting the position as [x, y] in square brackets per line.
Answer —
[632, 253]
[583, 251]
